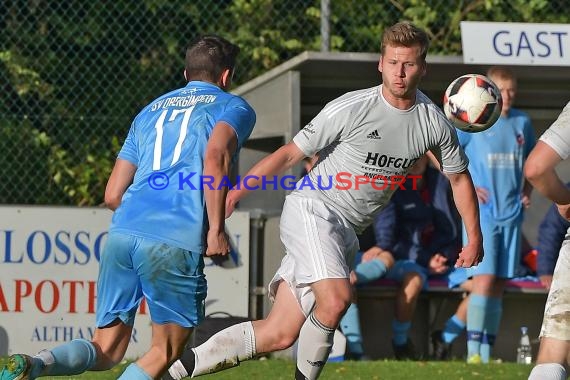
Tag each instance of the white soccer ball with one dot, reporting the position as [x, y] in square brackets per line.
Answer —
[472, 103]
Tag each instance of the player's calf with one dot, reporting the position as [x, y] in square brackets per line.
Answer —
[225, 349]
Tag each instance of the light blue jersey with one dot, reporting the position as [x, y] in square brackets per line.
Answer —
[167, 142]
[496, 160]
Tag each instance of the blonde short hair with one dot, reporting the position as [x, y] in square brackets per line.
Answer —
[405, 34]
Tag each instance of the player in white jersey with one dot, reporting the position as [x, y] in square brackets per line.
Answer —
[554, 351]
[367, 140]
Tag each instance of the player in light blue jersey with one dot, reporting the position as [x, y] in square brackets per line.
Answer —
[164, 221]
[496, 159]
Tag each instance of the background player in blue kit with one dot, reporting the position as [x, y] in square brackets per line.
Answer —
[162, 224]
[496, 159]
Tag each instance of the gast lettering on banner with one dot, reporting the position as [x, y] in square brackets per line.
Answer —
[512, 43]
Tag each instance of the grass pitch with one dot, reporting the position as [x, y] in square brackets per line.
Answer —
[279, 369]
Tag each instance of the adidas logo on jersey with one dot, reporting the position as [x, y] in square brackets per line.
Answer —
[374, 135]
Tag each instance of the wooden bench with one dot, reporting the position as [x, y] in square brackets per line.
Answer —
[523, 305]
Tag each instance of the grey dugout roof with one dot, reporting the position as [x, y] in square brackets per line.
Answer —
[288, 96]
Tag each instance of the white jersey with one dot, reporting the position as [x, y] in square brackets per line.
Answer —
[557, 136]
[554, 324]
[361, 136]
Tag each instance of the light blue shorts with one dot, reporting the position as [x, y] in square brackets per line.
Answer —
[171, 279]
[502, 246]
[456, 277]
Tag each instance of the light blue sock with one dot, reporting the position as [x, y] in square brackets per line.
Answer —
[350, 326]
[72, 358]
[491, 327]
[485, 349]
[370, 271]
[475, 319]
[134, 372]
[453, 327]
[400, 332]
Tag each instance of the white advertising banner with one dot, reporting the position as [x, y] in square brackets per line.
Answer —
[49, 260]
[511, 43]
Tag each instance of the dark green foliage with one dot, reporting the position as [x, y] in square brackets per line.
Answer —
[74, 73]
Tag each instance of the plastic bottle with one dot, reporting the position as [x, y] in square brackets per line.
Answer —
[524, 350]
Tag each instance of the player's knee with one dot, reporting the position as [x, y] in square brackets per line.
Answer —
[334, 306]
[387, 258]
[413, 279]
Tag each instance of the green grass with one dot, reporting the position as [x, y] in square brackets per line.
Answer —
[372, 370]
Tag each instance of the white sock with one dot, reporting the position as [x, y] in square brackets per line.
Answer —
[177, 370]
[225, 349]
[315, 344]
[548, 371]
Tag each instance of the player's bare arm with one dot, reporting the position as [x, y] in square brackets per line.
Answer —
[466, 201]
[120, 179]
[539, 170]
[217, 159]
[276, 163]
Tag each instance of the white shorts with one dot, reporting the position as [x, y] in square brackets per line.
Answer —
[556, 322]
[318, 242]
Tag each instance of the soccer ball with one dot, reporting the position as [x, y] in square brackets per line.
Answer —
[472, 103]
